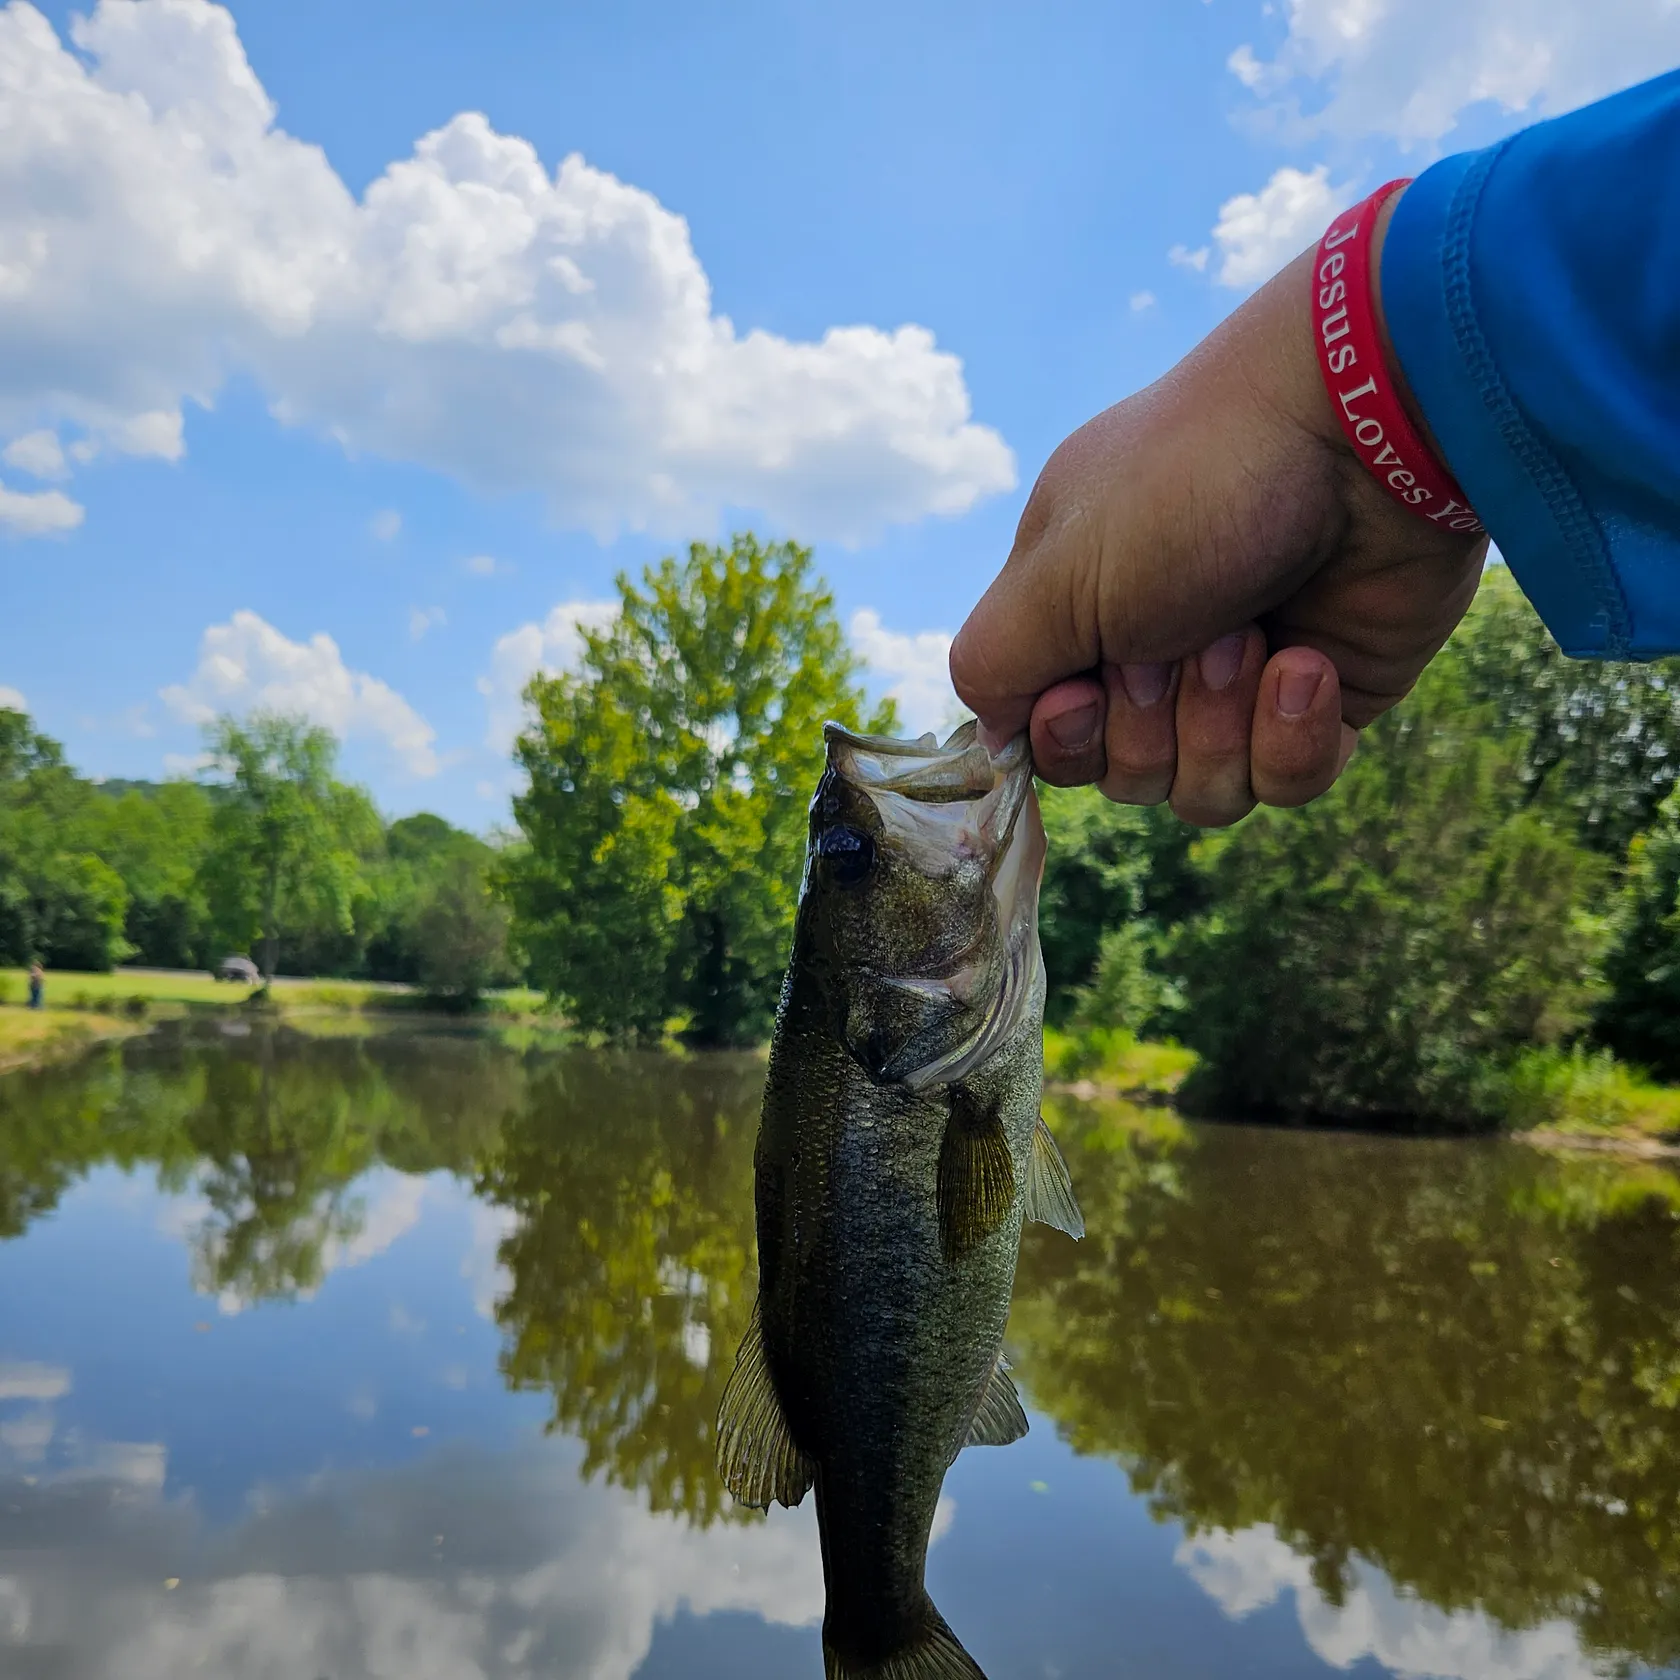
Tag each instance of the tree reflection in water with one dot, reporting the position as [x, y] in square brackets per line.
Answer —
[633, 1260]
[1459, 1362]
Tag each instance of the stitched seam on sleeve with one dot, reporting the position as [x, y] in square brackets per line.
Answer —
[1581, 534]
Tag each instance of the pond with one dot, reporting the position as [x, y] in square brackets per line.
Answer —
[333, 1357]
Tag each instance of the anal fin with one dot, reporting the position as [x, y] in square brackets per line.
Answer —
[935, 1654]
[1001, 1417]
[976, 1176]
[757, 1456]
[1050, 1199]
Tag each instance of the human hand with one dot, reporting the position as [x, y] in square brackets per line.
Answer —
[1209, 594]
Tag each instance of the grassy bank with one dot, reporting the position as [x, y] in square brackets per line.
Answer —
[84, 1009]
[1576, 1097]
[138, 991]
[33, 1037]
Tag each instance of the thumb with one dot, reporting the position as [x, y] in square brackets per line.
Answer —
[1038, 621]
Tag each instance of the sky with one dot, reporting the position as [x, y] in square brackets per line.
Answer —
[349, 351]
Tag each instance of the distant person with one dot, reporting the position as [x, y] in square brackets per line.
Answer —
[37, 986]
[1218, 581]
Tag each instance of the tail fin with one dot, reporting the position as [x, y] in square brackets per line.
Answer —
[934, 1654]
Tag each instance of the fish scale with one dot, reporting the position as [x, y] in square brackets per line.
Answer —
[900, 1148]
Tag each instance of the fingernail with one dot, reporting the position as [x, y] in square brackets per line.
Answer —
[1145, 684]
[1072, 731]
[1296, 690]
[1221, 662]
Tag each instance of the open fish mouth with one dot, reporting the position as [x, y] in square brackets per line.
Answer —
[924, 770]
[939, 805]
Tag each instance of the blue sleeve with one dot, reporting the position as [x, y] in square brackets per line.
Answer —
[1532, 292]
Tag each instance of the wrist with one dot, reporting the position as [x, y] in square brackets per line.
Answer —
[1396, 372]
[1373, 405]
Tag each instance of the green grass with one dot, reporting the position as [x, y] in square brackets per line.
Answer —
[141, 993]
[1585, 1093]
[1114, 1059]
[30, 1037]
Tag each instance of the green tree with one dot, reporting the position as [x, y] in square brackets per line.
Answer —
[1381, 952]
[1640, 1015]
[288, 841]
[59, 900]
[1600, 740]
[154, 835]
[1114, 876]
[664, 823]
[460, 935]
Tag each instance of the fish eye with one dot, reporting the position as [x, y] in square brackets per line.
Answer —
[848, 852]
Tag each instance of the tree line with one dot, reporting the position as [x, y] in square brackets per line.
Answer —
[1488, 897]
[1488, 901]
[267, 852]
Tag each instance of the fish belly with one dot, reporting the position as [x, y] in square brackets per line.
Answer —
[881, 1346]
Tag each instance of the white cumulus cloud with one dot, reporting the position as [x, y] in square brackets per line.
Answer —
[1257, 233]
[473, 311]
[1248, 1569]
[915, 670]
[12, 699]
[1410, 69]
[551, 646]
[37, 513]
[39, 454]
[248, 665]
[1141, 301]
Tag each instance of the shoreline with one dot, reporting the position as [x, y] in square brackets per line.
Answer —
[62, 1034]
[1625, 1144]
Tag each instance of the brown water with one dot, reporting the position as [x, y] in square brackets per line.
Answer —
[398, 1356]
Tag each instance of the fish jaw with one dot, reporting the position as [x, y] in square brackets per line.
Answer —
[961, 822]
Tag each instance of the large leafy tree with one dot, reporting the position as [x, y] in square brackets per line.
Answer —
[1381, 951]
[59, 899]
[289, 842]
[1599, 740]
[664, 822]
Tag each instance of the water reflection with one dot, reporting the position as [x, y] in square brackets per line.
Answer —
[632, 1262]
[1456, 1362]
[1410, 1404]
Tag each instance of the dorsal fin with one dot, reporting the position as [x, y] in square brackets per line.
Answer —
[756, 1453]
[1050, 1198]
[1001, 1417]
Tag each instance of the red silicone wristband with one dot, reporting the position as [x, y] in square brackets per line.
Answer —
[1359, 380]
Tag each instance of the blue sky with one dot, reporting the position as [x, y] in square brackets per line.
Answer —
[297, 406]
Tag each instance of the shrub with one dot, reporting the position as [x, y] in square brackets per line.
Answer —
[1376, 953]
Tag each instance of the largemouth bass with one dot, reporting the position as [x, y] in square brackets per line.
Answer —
[899, 1149]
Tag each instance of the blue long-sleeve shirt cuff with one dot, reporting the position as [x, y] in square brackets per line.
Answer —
[1532, 293]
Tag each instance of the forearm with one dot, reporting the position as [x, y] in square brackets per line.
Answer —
[1532, 298]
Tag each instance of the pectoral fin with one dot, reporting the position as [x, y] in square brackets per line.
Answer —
[756, 1453]
[1001, 1417]
[976, 1176]
[1050, 1199]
